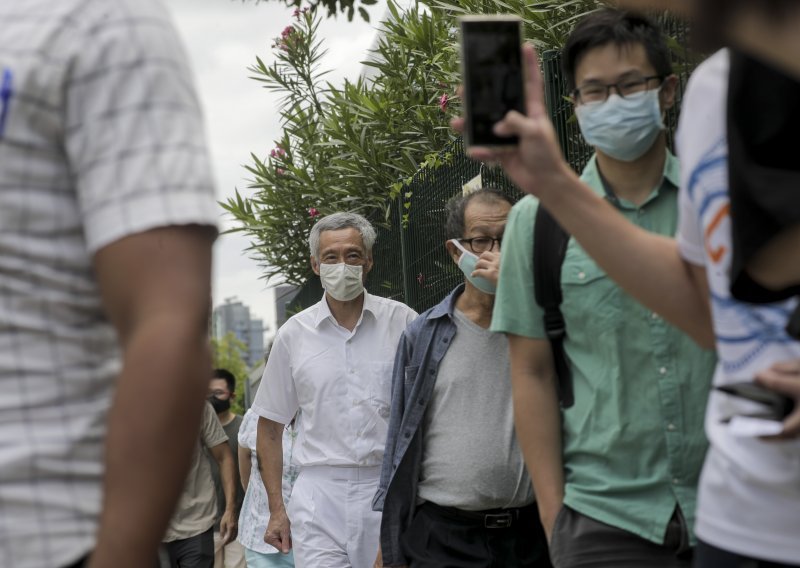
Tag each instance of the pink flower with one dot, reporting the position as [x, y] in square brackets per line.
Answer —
[443, 100]
[287, 31]
[278, 152]
[421, 278]
[280, 171]
[313, 212]
[296, 13]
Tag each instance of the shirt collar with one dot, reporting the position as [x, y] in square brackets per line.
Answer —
[447, 306]
[324, 310]
[670, 178]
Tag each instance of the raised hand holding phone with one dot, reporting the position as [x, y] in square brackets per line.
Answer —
[535, 164]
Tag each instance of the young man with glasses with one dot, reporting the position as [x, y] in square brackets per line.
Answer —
[228, 552]
[454, 490]
[616, 473]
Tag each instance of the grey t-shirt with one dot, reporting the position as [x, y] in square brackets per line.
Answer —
[471, 459]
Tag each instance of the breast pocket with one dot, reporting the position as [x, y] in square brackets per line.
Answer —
[381, 386]
[591, 298]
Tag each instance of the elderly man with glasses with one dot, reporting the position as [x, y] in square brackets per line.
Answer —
[454, 490]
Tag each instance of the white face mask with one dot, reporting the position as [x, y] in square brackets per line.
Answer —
[623, 128]
[342, 281]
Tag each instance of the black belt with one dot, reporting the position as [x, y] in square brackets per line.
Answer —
[490, 518]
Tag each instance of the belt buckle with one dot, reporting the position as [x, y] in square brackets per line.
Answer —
[497, 521]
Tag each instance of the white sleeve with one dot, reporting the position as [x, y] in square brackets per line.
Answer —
[276, 398]
[134, 133]
[690, 235]
[246, 436]
[700, 131]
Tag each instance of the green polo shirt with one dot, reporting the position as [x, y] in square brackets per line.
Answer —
[633, 443]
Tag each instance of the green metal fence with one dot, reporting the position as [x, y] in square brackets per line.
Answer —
[411, 263]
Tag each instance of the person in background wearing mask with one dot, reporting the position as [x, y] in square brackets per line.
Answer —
[616, 473]
[333, 363]
[189, 541]
[454, 489]
[221, 392]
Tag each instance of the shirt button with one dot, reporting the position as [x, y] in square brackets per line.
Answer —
[432, 371]
[654, 316]
[407, 435]
[675, 481]
[581, 275]
[671, 427]
[663, 370]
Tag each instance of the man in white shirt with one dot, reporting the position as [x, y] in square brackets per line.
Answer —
[106, 225]
[333, 363]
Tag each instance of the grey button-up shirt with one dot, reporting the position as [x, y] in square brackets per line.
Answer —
[422, 347]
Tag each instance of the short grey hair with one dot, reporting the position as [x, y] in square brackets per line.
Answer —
[342, 220]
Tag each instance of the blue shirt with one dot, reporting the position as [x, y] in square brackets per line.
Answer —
[422, 347]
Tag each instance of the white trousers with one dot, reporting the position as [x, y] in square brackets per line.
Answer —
[332, 521]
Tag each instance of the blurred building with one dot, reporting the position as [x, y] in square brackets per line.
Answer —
[234, 317]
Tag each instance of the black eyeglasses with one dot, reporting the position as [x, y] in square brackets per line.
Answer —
[482, 244]
[597, 92]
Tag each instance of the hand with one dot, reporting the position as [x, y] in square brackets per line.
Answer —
[379, 561]
[535, 164]
[228, 527]
[488, 266]
[784, 378]
[277, 533]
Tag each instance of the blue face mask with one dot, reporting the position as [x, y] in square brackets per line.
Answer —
[466, 262]
[623, 128]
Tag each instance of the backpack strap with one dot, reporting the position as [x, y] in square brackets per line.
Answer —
[549, 248]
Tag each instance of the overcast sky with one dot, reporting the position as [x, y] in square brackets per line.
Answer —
[223, 38]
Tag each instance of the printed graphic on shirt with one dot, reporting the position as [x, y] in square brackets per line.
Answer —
[5, 97]
[743, 331]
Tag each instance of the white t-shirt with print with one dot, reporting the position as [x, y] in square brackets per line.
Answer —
[254, 516]
[749, 500]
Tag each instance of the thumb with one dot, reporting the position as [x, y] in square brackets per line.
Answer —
[285, 540]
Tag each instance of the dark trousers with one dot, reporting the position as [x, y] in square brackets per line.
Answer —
[441, 537]
[579, 541]
[193, 552]
[84, 562]
[708, 556]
